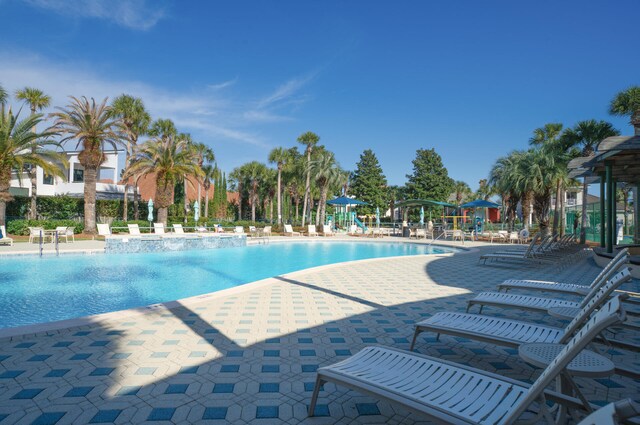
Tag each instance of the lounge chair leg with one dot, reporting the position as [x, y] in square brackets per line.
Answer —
[480, 311]
[415, 337]
[314, 397]
[468, 307]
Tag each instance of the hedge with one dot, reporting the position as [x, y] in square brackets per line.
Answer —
[21, 227]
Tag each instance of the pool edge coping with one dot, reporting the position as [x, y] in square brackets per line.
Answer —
[58, 326]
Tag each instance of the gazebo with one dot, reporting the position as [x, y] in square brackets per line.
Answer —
[616, 161]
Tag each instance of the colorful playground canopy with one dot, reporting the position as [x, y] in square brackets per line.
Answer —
[343, 200]
[423, 203]
[480, 203]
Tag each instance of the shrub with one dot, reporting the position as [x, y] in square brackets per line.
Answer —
[21, 227]
[60, 207]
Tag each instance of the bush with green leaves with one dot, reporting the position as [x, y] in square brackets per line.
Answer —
[21, 227]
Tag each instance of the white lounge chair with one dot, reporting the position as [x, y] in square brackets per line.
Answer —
[239, 230]
[266, 231]
[288, 231]
[512, 333]
[134, 229]
[568, 288]
[528, 302]
[453, 393]
[103, 229]
[65, 232]
[158, 228]
[327, 230]
[311, 230]
[5, 239]
[613, 413]
[177, 229]
[34, 233]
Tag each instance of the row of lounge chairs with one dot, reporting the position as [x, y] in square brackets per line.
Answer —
[454, 393]
[541, 250]
[311, 231]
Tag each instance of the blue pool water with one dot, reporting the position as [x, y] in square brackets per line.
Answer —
[37, 290]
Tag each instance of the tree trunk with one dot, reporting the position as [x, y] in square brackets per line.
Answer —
[323, 201]
[136, 202]
[526, 209]
[239, 201]
[33, 176]
[307, 189]
[206, 204]
[562, 213]
[90, 175]
[186, 201]
[279, 195]
[270, 211]
[584, 218]
[297, 208]
[253, 211]
[5, 196]
[556, 211]
[162, 215]
[125, 203]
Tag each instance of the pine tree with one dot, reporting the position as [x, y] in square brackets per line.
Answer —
[369, 183]
[430, 179]
[224, 204]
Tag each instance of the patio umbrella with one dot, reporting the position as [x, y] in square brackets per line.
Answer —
[150, 216]
[480, 203]
[422, 216]
[378, 216]
[343, 200]
[196, 211]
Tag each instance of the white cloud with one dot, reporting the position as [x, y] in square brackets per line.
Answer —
[208, 116]
[135, 14]
[223, 85]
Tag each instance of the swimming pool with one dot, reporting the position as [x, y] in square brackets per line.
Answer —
[39, 290]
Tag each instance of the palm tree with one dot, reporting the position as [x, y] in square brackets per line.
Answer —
[461, 190]
[37, 101]
[310, 140]
[279, 156]
[587, 134]
[627, 103]
[135, 123]
[209, 173]
[254, 172]
[20, 146]
[3, 95]
[203, 153]
[326, 172]
[92, 125]
[237, 178]
[501, 177]
[170, 159]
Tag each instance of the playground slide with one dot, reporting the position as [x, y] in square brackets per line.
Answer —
[360, 224]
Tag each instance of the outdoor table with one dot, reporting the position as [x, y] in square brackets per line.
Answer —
[586, 364]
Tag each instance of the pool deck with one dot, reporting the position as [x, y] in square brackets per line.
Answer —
[249, 354]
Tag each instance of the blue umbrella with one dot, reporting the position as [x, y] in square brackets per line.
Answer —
[196, 211]
[343, 200]
[150, 205]
[377, 216]
[480, 203]
[422, 216]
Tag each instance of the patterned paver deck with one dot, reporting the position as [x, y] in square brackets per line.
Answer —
[250, 356]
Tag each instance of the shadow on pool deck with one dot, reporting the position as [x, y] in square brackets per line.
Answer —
[252, 356]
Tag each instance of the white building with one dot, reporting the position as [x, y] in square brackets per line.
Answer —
[73, 184]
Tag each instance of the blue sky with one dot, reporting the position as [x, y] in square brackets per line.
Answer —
[471, 79]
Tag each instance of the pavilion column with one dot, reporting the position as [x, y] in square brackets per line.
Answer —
[614, 215]
[602, 212]
[608, 169]
[636, 215]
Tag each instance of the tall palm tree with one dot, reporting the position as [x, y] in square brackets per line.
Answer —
[547, 138]
[309, 140]
[37, 101]
[209, 174]
[326, 171]
[135, 123]
[279, 156]
[587, 134]
[501, 177]
[4, 96]
[254, 172]
[203, 154]
[92, 125]
[170, 159]
[627, 103]
[20, 146]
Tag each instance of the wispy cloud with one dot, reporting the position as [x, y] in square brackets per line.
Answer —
[223, 85]
[209, 116]
[134, 14]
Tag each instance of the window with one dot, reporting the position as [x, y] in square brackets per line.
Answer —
[47, 179]
[78, 175]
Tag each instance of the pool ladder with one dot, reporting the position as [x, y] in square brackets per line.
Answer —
[42, 243]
